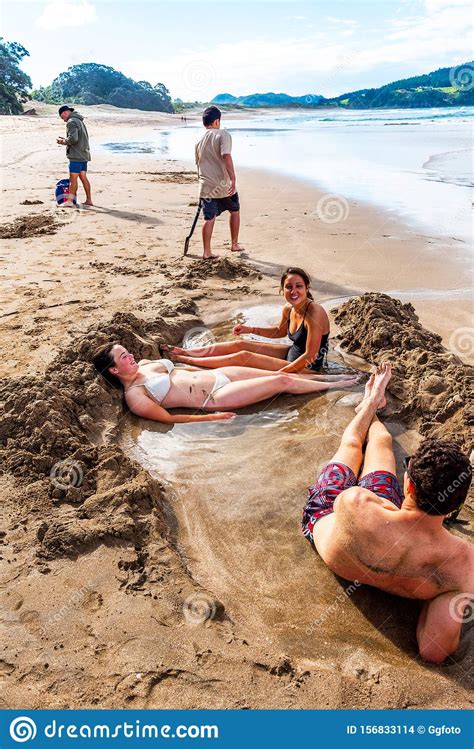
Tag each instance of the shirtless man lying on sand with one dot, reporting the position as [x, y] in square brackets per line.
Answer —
[364, 529]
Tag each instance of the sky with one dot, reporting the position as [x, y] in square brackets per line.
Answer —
[199, 48]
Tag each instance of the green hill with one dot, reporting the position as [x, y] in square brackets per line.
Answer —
[446, 87]
[90, 83]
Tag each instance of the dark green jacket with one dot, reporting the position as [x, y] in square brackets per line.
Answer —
[77, 140]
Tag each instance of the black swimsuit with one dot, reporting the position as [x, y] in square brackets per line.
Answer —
[298, 347]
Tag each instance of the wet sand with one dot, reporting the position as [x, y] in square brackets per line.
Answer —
[181, 579]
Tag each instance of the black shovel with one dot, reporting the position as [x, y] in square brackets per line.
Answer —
[186, 243]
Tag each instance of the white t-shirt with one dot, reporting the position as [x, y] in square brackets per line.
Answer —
[214, 182]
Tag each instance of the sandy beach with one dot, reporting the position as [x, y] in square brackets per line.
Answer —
[174, 573]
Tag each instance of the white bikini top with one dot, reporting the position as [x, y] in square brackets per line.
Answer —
[158, 385]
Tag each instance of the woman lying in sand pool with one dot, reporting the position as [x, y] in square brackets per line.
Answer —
[303, 320]
[151, 387]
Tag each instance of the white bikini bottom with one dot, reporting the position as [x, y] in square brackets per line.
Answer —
[220, 381]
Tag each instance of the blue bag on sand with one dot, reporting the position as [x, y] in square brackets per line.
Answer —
[61, 192]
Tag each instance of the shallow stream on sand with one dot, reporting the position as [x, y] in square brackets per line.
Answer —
[236, 493]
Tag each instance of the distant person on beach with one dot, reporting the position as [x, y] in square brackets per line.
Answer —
[364, 529]
[303, 320]
[77, 151]
[153, 387]
[216, 173]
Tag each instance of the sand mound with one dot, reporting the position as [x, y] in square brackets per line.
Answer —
[431, 383]
[188, 274]
[30, 226]
[53, 434]
[32, 202]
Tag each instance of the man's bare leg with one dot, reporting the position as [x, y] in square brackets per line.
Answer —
[234, 224]
[69, 203]
[354, 436]
[379, 454]
[207, 230]
[87, 187]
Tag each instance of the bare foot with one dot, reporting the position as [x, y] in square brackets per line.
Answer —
[381, 380]
[68, 204]
[210, 257]
[368, 392]
[345, 383]
[88, 202]
[175, 350]
[237, 248]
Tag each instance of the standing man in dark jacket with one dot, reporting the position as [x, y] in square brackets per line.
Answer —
[77, 151]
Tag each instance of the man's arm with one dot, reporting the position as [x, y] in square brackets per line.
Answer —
[439, 625]
[147, 409]
[229, 165]
[72, 133]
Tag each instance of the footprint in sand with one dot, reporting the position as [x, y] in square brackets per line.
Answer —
[29, 617]
[6, 668]
[92, 601]
[10, 601]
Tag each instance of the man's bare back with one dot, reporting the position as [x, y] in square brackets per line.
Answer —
[384, 539]
[398, 550]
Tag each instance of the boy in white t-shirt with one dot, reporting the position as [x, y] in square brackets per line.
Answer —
[217, 180]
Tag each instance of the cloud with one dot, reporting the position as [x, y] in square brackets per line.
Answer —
[342, 21]
[58, 14]
[438, 35]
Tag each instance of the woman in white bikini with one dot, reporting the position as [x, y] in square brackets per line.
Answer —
[152, 387]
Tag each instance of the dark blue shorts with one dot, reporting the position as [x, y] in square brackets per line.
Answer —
[75, 167]
[213, 207]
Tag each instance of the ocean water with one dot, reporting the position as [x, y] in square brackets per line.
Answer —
[416, 163]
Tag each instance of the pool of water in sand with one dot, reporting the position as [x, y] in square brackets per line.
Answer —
[236, 492]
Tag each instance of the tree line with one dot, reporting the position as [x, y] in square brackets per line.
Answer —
[88, 83]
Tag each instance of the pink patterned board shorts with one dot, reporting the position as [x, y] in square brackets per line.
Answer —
[336, 477]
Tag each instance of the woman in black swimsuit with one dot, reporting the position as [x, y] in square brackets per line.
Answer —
[303, 320]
